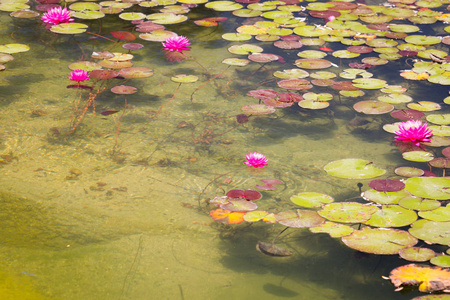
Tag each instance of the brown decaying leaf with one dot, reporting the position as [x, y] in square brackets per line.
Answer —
[430, 279]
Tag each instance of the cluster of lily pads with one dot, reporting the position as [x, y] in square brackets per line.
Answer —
[398, 213]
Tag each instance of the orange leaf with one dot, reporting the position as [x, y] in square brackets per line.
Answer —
[431, 279]
[226, 216]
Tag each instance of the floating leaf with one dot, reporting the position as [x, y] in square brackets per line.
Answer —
[347, 212]
[166, 18]
[335, 230]
[430, 279]
[69, 28]
[299, 218]
[124, 90]
[239, 62]
[311, 199]
[136, 72]
[245, 49]
[408, 172]
[386, 185]
[226, 216]
[418, 156]
[103, 74]
[123, 35]
[384, 197]
[353, 168]
[424, 106]
[441, 261]
[372, 107]
[312, 63]
[441, 214]
[255, 216]
[379, 240]
[431, 231]
[295, 84]
[183, 78]
[14, 48]
[417, 254]
[239, 205]
[418, 203]
[392, 216]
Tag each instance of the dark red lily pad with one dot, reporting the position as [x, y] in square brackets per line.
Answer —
[124, 90]
[249, 195]
[407, 53]
[103, 74]
[291, 37]
[407, 114]
[361, 66]
[289, 97]
[387, 185]
[123, 35]
[323, 82]
[324, 14]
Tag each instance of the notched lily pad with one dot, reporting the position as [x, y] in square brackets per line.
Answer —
[311, 199]
[353, 168]
[299, 218]
[347, 212]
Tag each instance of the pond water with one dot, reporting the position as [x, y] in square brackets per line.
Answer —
[116, 206]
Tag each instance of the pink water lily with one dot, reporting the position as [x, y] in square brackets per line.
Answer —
[78, 75]
[57, 15]
[176, 43]
[256, 160]
[413, 131]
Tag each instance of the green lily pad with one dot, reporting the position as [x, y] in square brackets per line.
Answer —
[392, 216]
[291, 74]
[236, 37]
[429, 187]
[353, 168]
[379, 240]
[311, 31]
[88, 15]
[352, 94]
[246, 13]
[375, 61]
[183, 78]
[394, 89]
[441, 214]
[381, 43]
[245, 49]
[418, 156]
[395, 98]
[311, 199]
[81, 6]
[313, 104]
[239, 62]
[384, 197]
[132, 16]
[167, 18]
[311, 54]
[347, 212]
[424, 106]
[419, 204]
[422, 40]
[443, 79]
[417, 254]
[431, 231]
[443, 119]
[323, 75]
[13, 6]
[335, 230]
[409, 172]
[353, 73]
[407, 28]
[85, 65]
[14, 48]
[441, 261]
[255, 216]
[318, 97]
[369, 83]
[157, 35]
[440, 130]
[69, 28]
[267, 38]
[345, 54]
[223, 5]
[299, 218]
[312, 63]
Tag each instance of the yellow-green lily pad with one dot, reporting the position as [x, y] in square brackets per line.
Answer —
[431, 231]
[347, 212]
[353, 168]
[384, 197]
[335, 230]
[441, 214]
[417, 254]
[311, 199]
[443, 119]
[69, 28]
[429, 187]
[418, 156]
[392, 216]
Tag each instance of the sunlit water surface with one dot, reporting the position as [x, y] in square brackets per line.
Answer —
[119, 209]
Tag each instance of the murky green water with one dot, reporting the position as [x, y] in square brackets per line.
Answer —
[118, 209]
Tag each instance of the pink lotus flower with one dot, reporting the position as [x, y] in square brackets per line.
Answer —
[56, 16]
[255, 159]
[413, 131]
[78, 75]
[176, 43]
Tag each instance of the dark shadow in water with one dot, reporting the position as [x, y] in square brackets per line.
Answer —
[279, 291]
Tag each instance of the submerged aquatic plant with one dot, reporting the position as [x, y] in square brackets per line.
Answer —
[78, 75]
[56, 16]
[413, 131]
[256, 160]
